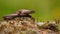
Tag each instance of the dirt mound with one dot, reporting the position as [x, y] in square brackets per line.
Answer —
[25, 26]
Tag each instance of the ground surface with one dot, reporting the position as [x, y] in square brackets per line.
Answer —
[25, 26]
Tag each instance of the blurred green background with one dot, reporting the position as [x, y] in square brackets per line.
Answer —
[45, 9]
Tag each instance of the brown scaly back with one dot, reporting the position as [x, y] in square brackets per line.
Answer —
[24, 12]
[10, 16]
[19, 13]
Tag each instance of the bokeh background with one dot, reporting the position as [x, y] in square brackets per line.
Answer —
[44, 9]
